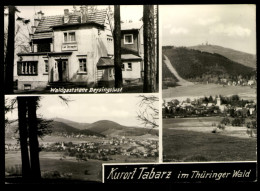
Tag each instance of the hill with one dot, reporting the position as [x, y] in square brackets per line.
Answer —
[110, 128]
[56, 127]
[74, 124]
[101, 128]
[195, 64]
[243, 58]
[61, 127]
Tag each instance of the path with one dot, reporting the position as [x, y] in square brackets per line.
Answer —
[181, 81]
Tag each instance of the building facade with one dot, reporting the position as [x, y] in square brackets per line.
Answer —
[65, 49]
[132, 51]
[77, 48]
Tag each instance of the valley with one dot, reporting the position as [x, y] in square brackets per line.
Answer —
[78, 153]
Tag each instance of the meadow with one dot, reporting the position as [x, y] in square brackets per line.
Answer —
[53, 165]
[192, 140]
[198, 90]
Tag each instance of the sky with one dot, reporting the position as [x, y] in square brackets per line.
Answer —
[120, 108]
[230, 26]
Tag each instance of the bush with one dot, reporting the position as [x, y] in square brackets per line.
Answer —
[225, 121]
[167, 84]
[238, 122]
[14, 170]
[51, 174]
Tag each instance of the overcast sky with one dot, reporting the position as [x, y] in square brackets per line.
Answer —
[120, 108]
[231, 26]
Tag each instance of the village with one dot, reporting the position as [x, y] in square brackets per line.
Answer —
[99, 148]
[227, 80]
[228, 107]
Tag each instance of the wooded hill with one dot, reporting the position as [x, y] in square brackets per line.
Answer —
[101, 128]
[243, 58]
[192, 64]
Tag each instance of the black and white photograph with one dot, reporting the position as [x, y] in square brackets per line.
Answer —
[73, 49]
[54, 139]
[129, 93]
[209, 83]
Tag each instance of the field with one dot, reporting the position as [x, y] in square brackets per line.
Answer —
[196, 90]
[192, 140]
[53, 163]
[50, 162]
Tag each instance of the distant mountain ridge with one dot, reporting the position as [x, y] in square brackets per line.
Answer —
[243, 58]
[101, 128]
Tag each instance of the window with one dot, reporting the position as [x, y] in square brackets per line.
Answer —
[69, 37]
[128, 39]
[123, 67]
[44, 47]
[27, 68]
[46, 66]
[129, 66]
[111, 72]
[83, 65]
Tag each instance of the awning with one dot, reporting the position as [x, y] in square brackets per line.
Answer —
[105, 62]
[43, 35]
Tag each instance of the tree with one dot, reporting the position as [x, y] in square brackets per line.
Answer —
[14, 37]
[149, 113]
[117, 48]
[9, 60]
[149, 50]
[157, 44]
[32, 103]
[22, 112]
[30, 127]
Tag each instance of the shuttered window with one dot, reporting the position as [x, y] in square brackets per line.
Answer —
[27, 68]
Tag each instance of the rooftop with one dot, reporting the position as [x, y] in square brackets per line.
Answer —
[44, 29]
[132, 26]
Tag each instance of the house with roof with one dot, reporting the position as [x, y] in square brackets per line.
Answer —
[132, 51]
[68, 48]
[77, 48]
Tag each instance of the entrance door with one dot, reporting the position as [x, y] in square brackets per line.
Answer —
[62, 70]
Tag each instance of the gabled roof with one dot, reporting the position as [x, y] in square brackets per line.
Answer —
[98, 17]
[132, 26]
[44, 29]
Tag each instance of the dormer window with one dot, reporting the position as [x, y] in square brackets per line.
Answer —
[69, 37]
[128, 39]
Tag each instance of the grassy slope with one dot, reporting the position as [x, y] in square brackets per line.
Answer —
[189, 146]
